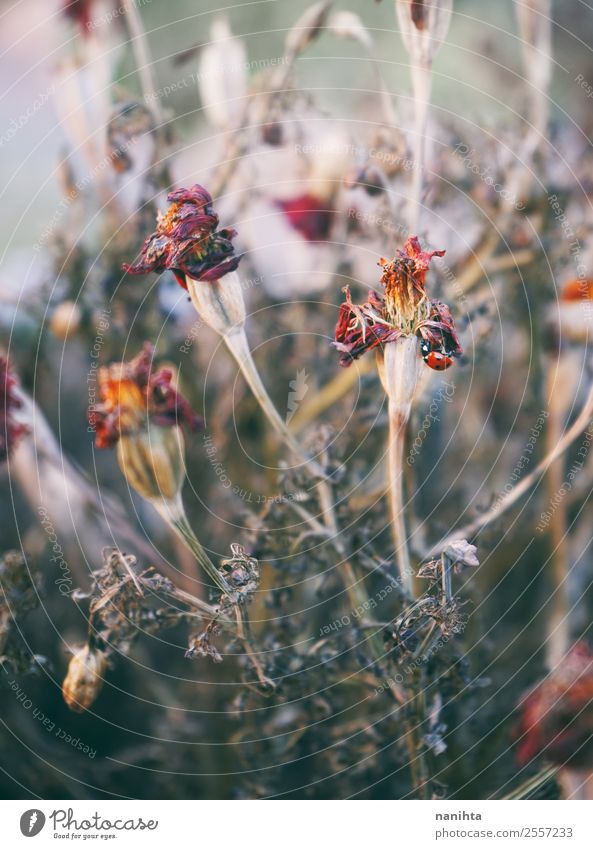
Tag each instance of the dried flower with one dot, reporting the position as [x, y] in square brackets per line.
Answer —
[557, 715]
[461, 554]
[140, 412]
[402, 310]
[11, 431]
[187, 242]
[132, 395]
[84, 679]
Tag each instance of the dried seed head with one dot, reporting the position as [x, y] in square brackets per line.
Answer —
[84, 679]
[424, 25]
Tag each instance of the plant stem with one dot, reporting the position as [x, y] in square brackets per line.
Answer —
[237, 343]
[143, 58]
[557, 625]
[580, 424]
[421, 84]
[399, 369]
[397, 432]
[174, 514]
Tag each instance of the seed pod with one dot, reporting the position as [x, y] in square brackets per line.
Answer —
[153, 462]
[84, 678]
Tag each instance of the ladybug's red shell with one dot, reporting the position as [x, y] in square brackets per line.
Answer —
[438, 361]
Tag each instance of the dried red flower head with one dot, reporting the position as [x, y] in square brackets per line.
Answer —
[10, 430]
[132, 395]
[308, 215]
[557, 715]
[186, 240]
[402, 310]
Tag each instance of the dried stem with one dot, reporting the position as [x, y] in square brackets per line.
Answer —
[399, 369]
[174, 514]
[143, 58]
[468, 531]
[421, 85]
[557, 624]
[236, 342]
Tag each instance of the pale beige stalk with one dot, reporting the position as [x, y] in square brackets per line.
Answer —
[400, 368]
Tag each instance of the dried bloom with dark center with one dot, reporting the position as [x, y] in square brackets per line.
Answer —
[557, 715]
[133, 394]
[140, 413]
[403, 309]
[187, 242]
[11, 431]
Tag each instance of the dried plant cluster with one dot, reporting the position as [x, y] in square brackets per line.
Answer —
[297, 477]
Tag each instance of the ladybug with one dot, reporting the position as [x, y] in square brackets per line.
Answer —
[437, 360]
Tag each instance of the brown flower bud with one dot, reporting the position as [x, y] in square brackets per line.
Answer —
[424, 26]
[84, 678]
[65, 320]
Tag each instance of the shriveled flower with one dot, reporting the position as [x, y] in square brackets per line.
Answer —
[462, 554]
[132, 394]
[11, 431]
[140, 413]
[403, 309]
[84, 679]
[557, 715]
[187, 242]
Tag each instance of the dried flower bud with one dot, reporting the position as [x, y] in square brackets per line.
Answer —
[307, 27]
[462, 554]
[84, 679]
[424, 25]
[347, 24]
[65, 320]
